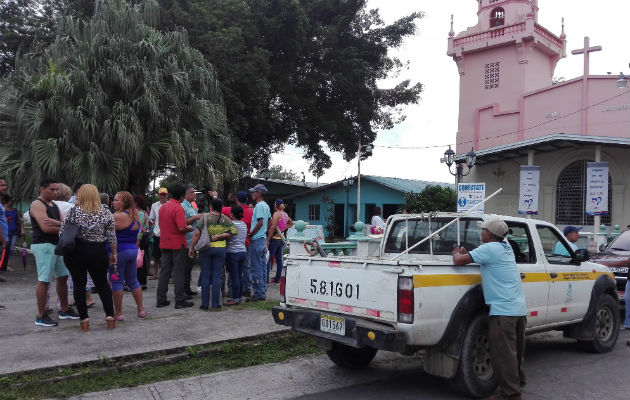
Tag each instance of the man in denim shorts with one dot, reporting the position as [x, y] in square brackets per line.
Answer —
[46, 222]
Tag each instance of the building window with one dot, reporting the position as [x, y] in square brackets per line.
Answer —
[570, 197]
[491, 75]
[313, 212]
[497, 17]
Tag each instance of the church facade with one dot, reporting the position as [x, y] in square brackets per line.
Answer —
[512, 113]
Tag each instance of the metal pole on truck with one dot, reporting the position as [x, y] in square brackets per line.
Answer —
[445, 226]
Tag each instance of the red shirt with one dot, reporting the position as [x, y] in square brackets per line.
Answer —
[248, 214]
[172, 217]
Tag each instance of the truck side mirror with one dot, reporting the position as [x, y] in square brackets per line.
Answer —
[581, 255]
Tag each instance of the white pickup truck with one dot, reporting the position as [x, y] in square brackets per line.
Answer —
[412, 300]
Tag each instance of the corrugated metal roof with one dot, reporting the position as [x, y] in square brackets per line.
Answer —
[405, 185]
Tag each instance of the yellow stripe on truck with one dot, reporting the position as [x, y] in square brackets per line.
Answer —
[472, 279]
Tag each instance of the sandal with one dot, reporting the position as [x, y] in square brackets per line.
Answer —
[231, 303]
[90, 305]
[85, 324]
[111, 322]
[119, 318]
[152, 278]
[142, 314]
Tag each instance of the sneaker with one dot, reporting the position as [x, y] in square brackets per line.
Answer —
[247, 293]
[2, 307]
[68, 314]
[45, 321]
[161, 304]
[184, 304]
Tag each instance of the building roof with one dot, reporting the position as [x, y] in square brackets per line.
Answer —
[309, 185]
[543, 144]
[404, 185]
[398, 184]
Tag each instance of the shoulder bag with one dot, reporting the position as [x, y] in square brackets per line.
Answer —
[204, 240]
[68, 237]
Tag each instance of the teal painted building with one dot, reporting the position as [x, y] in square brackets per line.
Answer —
[335, 205]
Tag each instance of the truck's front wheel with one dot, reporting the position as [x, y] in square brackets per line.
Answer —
[350, 357]
[606, 326]
[475, 375]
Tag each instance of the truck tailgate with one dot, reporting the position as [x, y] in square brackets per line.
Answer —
[344, 286]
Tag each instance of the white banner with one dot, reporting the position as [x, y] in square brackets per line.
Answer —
[469, 195]
[529, 187]
[597, 188]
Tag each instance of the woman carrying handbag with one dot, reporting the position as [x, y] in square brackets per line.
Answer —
[96, 226]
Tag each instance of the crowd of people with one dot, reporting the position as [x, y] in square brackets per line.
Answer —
[119, 246]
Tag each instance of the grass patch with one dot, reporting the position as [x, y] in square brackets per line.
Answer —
[193, 360]
[266, 305]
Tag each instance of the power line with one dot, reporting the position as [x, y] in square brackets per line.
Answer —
[507, 133]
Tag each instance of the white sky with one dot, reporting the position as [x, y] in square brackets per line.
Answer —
[433, 121]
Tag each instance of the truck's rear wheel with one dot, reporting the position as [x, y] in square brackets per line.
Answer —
[606, 326]
[475, 375]
[350, 357]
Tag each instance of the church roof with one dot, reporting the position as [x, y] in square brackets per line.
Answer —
[541, 144]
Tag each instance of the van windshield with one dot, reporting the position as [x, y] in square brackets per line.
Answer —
[442, 243]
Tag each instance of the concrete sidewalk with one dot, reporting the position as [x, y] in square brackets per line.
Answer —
[25, 346]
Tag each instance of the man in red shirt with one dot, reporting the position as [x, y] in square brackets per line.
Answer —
[248, 213]
[174, 249]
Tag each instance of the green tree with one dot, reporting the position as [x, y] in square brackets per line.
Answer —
[431, 198]
[114, 102]
[278, 172]
[302, 72]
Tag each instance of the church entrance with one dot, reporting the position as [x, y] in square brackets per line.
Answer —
[570, 196]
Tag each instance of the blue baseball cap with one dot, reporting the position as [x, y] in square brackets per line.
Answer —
[241, 196]
[569, 229]
[279, 201]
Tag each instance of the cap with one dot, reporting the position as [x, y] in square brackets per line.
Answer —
[241, 196]
[569, 229]
[495, 226]
[279, 201]
[259, 188]
[162, 190]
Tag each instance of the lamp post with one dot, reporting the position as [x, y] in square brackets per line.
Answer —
[347, 183]
[367, 150]
[449, 159]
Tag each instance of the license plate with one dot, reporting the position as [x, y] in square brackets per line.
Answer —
[336, 325]
[623, 270]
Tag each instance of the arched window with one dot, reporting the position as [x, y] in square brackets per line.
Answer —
[497, 17]
[570, 194]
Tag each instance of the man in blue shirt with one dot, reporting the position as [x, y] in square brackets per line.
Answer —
[502, 290]
[258, 247]
[192, 217]
[573, 235]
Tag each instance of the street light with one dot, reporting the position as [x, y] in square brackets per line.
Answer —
[449, 159]
[367, 150]
[347, 183]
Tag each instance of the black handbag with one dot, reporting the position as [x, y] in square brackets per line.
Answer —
[68, 237]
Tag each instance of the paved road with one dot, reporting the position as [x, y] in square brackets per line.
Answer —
[555, 367]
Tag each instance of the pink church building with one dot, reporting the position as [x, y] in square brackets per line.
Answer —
[512, 113]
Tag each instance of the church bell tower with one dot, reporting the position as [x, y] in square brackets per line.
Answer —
[504, 56]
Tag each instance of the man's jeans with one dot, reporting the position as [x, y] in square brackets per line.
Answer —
[246, 272]
[172, 261]
[258, 263]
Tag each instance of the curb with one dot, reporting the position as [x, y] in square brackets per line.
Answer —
[151, 358]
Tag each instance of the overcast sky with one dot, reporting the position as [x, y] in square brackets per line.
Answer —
[433, 121]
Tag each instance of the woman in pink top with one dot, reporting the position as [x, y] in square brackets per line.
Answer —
[280, 222]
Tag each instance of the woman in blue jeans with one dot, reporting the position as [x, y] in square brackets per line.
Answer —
[237, 254]
[212, 259]
[128, 226]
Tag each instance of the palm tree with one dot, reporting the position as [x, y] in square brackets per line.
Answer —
[114, 102]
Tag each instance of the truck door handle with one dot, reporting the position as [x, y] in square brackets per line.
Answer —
[553, 275]
[522, 276]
